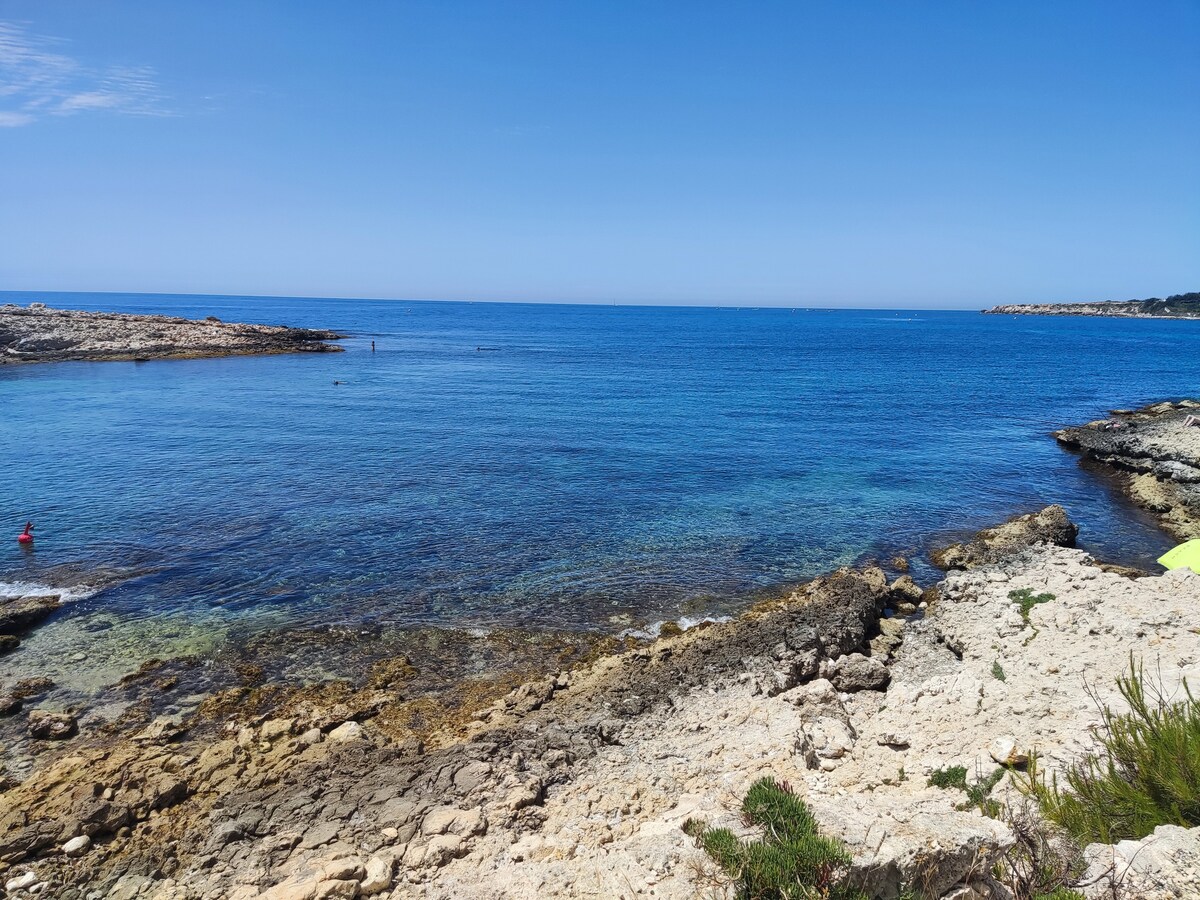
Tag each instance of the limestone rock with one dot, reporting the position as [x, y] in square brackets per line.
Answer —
[77, 846]
[1005, 752]
[1050, 525]
[1162, 866]
[856, 672]
[18, 614]
[378, 876]
[41, 334]
[21, 882]
[347, 731]
[447, 819]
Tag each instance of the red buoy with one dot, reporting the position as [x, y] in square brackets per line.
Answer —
[25, 537]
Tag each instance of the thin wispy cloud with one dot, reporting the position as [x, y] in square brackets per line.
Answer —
[38, 80]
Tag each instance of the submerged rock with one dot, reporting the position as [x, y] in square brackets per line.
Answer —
[19, 614]
[48, 726]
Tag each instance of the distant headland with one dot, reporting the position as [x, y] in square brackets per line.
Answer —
[37, 333]
[1177, 306]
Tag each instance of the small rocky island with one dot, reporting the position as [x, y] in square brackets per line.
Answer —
[38, 333]
[1177, 306]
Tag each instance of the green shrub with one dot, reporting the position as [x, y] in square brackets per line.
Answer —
[954, 776]
[998, 671]
[1146, 775]
[792, 860]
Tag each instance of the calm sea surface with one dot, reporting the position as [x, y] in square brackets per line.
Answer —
[566, 466]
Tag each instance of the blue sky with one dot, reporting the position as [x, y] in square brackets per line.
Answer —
[798, 153]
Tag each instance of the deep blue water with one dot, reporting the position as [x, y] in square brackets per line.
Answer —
[592, 461]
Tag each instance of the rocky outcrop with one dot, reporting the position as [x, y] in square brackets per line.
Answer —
[1049, 526]
[38, 333]
[1155, 456]
[1177, 306]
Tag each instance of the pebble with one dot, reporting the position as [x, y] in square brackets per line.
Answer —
[20, 882]
[77, 846]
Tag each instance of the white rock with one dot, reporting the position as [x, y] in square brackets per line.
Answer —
[1004, 751]
[77, 846]
[347, 731]
[20, 882]
[379, 876]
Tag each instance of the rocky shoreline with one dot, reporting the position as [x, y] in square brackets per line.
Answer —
[1154, 454]
[576, 777]
[1177, 306]
[37, 333]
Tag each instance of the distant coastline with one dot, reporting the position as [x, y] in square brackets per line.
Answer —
[1177, 306]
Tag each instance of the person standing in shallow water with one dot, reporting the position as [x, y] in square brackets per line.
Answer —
[372, 346]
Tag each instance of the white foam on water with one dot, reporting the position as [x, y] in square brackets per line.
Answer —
[11, 590]
[654, 629]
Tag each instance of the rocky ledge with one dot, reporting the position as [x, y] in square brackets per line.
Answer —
[37, 333]
[1154, 453]
[578, 783]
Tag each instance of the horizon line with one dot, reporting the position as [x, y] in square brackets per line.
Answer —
[468, 301]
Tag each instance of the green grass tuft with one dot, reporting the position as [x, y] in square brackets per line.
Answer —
[977, 793]
[998, 671]
[954, 776]
[1026, 600]
[1146, 775]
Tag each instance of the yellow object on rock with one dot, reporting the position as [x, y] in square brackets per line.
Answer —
[1186, 555]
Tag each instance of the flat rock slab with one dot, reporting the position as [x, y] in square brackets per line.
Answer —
[38, 333]
[19, 614]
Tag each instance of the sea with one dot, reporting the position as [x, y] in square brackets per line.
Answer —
[578, 467]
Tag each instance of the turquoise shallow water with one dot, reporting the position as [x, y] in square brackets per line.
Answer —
[564, 466]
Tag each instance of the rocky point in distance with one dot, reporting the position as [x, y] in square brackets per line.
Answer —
[38, 333]
[1177, 306]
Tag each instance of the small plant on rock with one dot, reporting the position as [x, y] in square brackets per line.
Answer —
[1026, 600]
[950, 777]
[998, 671]
[977, 793]
[791, 861]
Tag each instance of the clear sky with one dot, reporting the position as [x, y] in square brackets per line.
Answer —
[885, 153]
